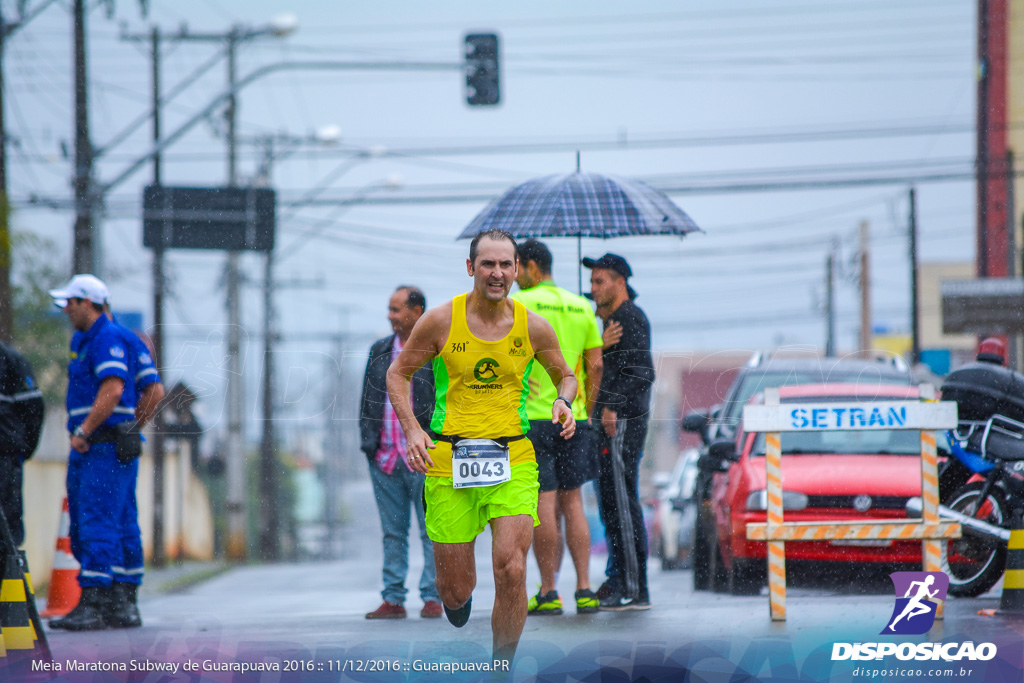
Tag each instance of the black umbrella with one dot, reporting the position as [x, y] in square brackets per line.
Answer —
[582, 204]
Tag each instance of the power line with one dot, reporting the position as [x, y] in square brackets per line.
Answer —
[784, 316]
[481, 192]
[755, 12]
[705, 139]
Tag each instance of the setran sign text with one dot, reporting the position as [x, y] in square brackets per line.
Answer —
[803, 417]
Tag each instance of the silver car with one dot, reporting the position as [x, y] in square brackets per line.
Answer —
[675, 513]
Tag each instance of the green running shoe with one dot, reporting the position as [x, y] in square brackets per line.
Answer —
[586, 601]
[545, 605]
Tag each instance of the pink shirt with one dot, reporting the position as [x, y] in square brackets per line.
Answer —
[392, 438]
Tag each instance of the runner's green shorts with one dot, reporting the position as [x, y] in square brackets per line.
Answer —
[459, 515]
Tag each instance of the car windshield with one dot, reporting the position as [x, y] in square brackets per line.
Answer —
[862, 441]
[759, 381]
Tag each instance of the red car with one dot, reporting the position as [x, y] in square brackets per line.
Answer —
[827, 475]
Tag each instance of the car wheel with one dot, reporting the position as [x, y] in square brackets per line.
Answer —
[974, 564]
[701, 558]
[747, 576]
[718, 577]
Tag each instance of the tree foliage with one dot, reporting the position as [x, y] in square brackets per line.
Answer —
[40, 330]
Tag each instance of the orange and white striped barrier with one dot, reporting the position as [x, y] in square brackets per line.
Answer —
[931, 548]
[64, 589]
[772, 418]
[776, 549]
[853, 531]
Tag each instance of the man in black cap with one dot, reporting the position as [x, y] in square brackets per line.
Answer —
[623, 405]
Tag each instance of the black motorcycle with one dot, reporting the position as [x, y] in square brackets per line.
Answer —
[987, 450]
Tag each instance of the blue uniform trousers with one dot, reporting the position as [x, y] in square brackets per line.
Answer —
[105, 536]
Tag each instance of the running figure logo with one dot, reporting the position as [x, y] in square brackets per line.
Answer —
[921, 592]
[485, 370]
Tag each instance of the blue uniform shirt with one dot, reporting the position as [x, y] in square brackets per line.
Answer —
[97, 354]
[145, 370]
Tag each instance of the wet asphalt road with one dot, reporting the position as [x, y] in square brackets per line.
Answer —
[313, 612]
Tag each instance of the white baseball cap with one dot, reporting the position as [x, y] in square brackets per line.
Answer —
[83, 286]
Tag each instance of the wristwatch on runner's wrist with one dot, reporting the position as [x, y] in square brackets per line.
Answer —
[567, 401]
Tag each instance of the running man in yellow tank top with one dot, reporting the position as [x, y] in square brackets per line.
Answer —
[480, 467]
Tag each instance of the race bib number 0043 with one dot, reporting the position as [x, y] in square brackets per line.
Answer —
[479, 462]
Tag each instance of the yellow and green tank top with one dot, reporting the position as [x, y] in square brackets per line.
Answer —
[481, 387]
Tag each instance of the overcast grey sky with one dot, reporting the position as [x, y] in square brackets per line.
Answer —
[695, 94]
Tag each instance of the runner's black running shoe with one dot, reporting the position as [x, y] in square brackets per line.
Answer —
[620, 603]
[459, 617]
[640, 603]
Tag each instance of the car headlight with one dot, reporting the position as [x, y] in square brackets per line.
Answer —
[791, 500]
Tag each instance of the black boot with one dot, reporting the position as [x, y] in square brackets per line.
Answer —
[87, 614]
[122, 610]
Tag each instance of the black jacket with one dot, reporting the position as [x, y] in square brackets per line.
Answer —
[21, 405]
[371, 410]
[628, 368]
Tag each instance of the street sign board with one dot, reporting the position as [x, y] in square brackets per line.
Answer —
[814, 417]
[983, 306]
[224, 218]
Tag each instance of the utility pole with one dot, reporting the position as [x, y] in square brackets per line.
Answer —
[84, 256]
[915, 312]
[159, 554]
[830, 304]
[336, 439]
[268, 517]
[865, 290]
[269, 512]
[984, 68]
[332, 459]
[1011, 251]
[6, 302]
[236, 543]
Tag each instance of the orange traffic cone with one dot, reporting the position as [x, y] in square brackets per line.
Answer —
[64, 590]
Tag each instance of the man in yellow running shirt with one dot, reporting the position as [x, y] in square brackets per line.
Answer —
[480, 467]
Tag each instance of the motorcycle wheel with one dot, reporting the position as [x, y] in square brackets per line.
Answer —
[974, 564]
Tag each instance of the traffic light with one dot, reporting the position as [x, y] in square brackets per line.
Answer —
[482, 69]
